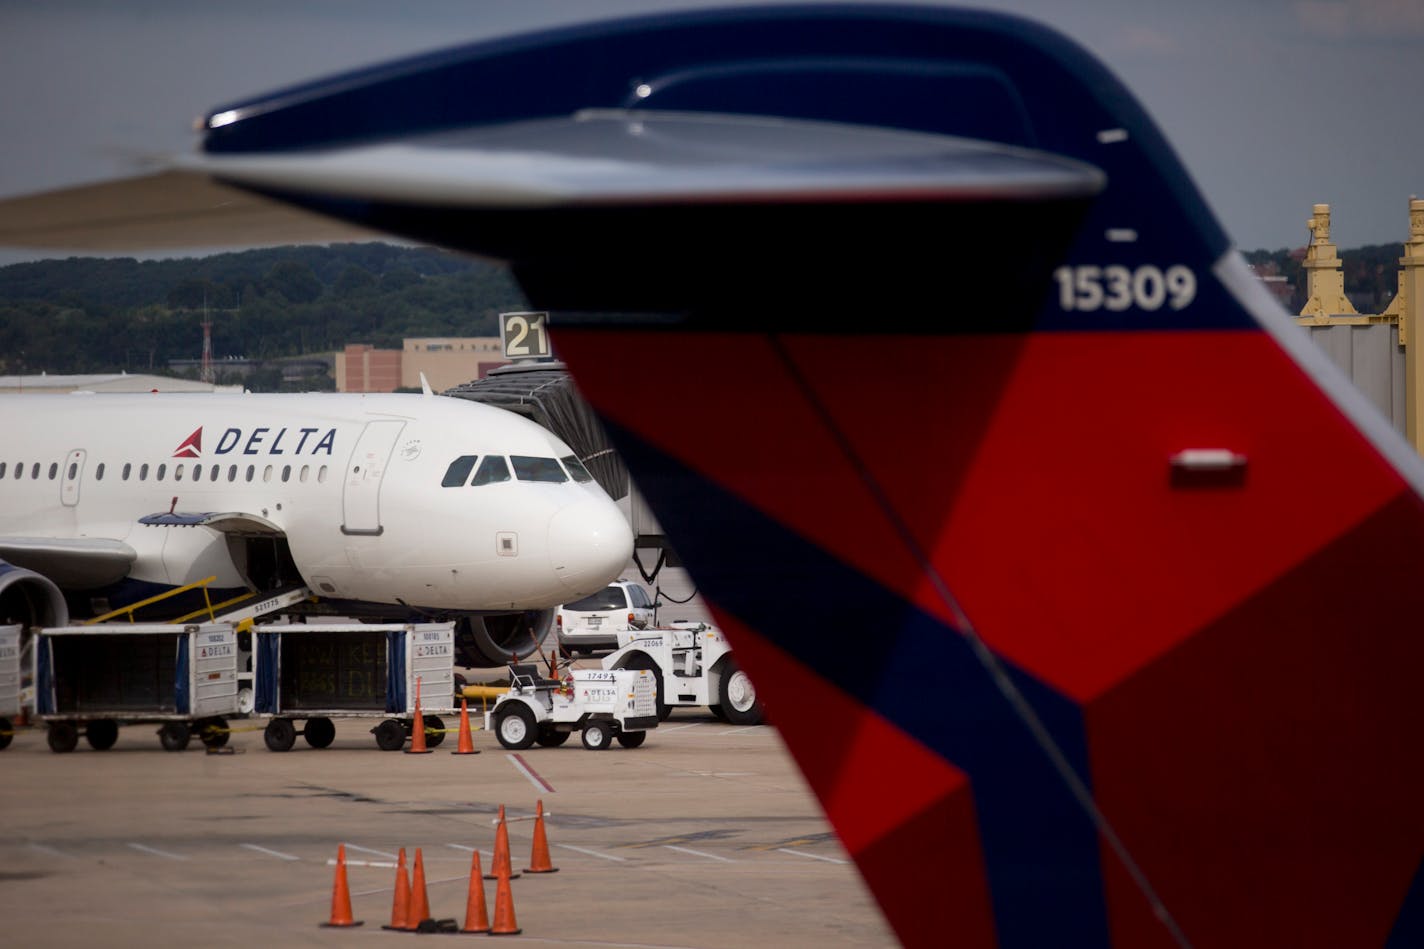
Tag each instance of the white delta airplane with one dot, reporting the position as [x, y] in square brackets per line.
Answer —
[384, 506]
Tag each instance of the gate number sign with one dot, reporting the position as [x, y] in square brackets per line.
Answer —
[525, 335]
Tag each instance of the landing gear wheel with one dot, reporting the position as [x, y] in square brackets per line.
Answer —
[597, 736]
[390, 735]
[737, 697]
[551, 737]
[213, 733]
[102, 734]
[280, 734]
[319, 733]
[7, 732]
[717, 712]
[515, 728]
[646, 662]
[632, 739]
[63, 736]
[434, 731]
[173, 736]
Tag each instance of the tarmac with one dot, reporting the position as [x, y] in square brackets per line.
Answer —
[706, 836]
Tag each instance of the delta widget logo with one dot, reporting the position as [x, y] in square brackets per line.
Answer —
[192, 446]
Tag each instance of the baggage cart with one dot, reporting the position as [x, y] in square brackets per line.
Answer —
[307, 675]
[93, 679]
[9, 682]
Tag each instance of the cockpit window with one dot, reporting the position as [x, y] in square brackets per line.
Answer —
[493, 468]
[576, 469]
[459, 471]
[527, 468]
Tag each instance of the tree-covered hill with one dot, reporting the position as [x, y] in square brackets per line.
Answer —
[98, 315]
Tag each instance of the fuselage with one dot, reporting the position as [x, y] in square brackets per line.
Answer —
[369, 491]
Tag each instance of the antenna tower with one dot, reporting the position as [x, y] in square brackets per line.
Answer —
[206, 373]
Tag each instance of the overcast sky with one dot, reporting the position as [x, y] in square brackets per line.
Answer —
[1273, 104]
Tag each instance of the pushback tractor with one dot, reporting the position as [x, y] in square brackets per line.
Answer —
[692, 664]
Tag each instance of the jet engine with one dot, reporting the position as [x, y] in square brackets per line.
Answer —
[493, 639]
[30, 598]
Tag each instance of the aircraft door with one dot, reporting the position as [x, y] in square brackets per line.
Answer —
[360, 498]
[72, 474]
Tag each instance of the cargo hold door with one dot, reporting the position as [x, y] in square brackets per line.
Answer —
[361, 496]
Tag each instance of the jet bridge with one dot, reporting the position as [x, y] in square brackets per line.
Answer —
[545, 392]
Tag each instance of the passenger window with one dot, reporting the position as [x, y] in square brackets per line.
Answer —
[267, 474]
[493, 468]
[177, 472]
[286, 473]
[232, 472]
[214, 472]
[74, 470]
[576, 469]
[143, 472]
[19, 469]
[53, 469]
[35, 471]
[305, 470]
[321, 475]
[128, 469]
[251, 470]
[98, 472]
[527, 468]
[162, 470]
[459, 471]
[2, 469]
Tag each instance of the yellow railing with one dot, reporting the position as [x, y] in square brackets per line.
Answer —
[132, 607]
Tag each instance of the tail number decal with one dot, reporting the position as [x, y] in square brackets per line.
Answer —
[1117, 288]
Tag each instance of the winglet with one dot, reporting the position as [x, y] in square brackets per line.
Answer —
[425, 385]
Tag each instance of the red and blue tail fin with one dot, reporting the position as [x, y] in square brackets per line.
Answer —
[1081, 589]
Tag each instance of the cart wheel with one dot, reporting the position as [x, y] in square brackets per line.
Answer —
[280, 734]
[213, 732]
[640, 661]
[717, 712]
[632, 739]
[551, 737]
[738, 698]
[173, 736]
[246, 700]
[597, 735]
[515, 727]
[63, 736]
[102, 734]
[319, 733]
[434, 730]
[7, 732]
[390, 735]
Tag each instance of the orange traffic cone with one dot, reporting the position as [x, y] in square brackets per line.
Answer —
[417, 728]
[504, 921]
[341, 895]
[400, 904]
[476, 916]
[419, 901]
[539, 856]
[500, 865]
[467, 741]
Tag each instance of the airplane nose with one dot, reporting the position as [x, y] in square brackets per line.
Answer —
[590, 543]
